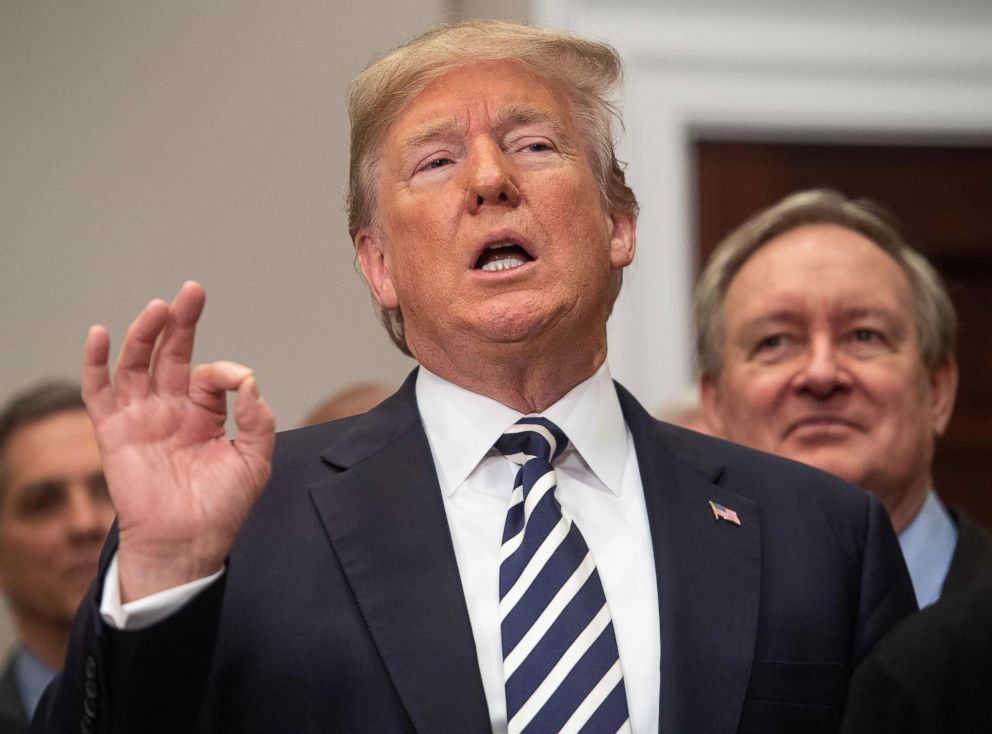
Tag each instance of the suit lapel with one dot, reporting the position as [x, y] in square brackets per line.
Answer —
[709, 577]
[386, 522]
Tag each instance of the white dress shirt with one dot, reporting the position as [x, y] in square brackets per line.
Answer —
[599, 485]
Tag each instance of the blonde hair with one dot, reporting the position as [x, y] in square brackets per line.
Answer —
[587, 71]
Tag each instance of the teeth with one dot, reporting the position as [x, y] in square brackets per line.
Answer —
[505, 264]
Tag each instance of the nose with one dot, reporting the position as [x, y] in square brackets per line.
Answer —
[490, 179]
[823, 373]
[88, 516]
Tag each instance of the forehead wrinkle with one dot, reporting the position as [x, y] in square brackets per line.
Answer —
[519, 115]
[778, 316]
[433, 131]
[506, 120]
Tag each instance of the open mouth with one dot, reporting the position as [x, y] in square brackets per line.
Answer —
[502, 256]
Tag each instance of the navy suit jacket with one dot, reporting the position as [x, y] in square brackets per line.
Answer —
[13, 717]
[342, 609]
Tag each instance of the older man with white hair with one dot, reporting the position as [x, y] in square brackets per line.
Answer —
[823, 337]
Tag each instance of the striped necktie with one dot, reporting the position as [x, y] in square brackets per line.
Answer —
[560, 660]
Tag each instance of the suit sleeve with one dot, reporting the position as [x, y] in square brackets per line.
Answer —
[118, 682]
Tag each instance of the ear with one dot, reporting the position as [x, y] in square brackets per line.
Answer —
[371, 253]
[943, 388]
[623, 239]
[708, 403]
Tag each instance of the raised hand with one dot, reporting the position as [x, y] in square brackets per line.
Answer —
[181, 490]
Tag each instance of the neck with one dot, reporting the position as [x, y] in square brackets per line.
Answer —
[904, 507]
[45, 640]
[519, 376]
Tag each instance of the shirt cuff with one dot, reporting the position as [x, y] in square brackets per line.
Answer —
[144, 612]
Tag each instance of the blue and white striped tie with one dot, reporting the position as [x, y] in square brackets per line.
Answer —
[560, 659]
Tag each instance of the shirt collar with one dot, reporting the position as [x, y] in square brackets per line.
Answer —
[928, 544]
[33, 676]
[462, 426]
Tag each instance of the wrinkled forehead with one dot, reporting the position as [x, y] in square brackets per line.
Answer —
[492, 94]
[818, 266]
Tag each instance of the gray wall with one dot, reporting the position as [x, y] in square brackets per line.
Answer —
[143, 143]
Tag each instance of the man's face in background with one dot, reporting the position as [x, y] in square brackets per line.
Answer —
[821, 363]
[54, 516]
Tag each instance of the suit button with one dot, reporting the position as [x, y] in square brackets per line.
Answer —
[90, 667]
[89, 707]
[91, 689]
[86, 726]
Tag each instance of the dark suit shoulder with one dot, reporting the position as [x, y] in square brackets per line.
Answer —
[932, 673]
[920, 646]
[971, 565]
[304, 454]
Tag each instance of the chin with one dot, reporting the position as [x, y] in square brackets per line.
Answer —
[839, 465]
[508, 326]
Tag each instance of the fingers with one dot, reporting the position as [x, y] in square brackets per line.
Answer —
[255, 436]
[142, 366]
[131, 376]
[209, 384]
[96, 389]
[171, 359]
[256, 427]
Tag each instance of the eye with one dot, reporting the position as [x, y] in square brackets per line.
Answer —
[537, 146]
[42, 499]
[774, 347]
[435, 163]
[866, 341]
[772, 341]
[866, 336]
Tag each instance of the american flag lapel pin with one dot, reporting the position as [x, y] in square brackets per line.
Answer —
[724, 513]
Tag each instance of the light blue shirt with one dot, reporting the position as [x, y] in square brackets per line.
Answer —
[928, 545]
[32, 677]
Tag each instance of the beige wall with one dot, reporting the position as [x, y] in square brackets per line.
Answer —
[142, 144]
[147, 143]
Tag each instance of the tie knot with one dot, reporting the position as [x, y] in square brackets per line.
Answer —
[530, 437]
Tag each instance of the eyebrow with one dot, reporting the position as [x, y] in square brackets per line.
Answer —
[775, 317]
[512, 117]
[58, 481]
[518, 115]
[791, 316]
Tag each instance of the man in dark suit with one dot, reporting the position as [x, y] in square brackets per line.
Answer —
[823, 337]
[400, 573]
[54, 516]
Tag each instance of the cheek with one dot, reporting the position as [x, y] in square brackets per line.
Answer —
[22, 550]
[107, 515]
[898, 393]
[756, 392]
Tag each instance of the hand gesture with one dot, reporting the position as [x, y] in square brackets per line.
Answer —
[181, 489]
